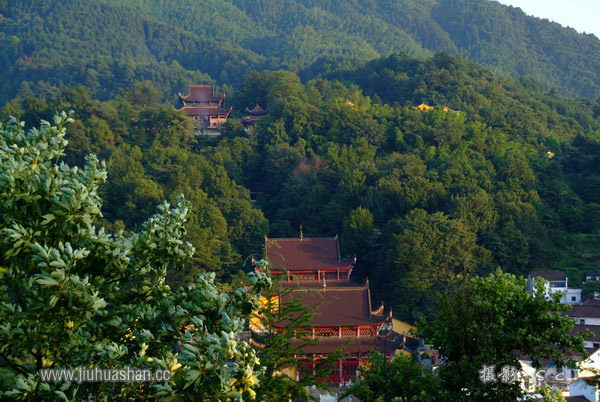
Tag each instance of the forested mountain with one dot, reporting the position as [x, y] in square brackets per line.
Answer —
[498, 174]
[449, 143]
[152, 156]
[501, 178]
[107, 44]
[507, 176]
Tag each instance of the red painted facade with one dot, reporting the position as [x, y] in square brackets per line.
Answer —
[315, 272]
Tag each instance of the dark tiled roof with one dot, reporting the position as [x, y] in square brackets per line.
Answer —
[256, 111]
[594, 329]
[549, 275]
[591, 309]
[350, 345]
[546, 361]
[201, 93]
[592, 274]
[304, 254]
[578, 398]
[204, 111]
[336, 306]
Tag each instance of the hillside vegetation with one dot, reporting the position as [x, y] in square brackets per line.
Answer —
[107, 44]
[454, 146]
[506, 176]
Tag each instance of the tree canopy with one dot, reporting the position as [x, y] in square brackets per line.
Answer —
[171, 44]
[494, 321]
[75, 295]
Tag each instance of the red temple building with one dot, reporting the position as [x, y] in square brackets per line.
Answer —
[252, 116]
[202, 105]
[317, 275]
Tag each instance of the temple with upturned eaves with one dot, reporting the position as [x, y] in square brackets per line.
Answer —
[205, 107]
[316, 274]
[252, 116]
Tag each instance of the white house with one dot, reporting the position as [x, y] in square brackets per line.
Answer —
[587, 313]
[558, 282]
[592, 276]
[591, 338]
[589, 366]
[551, 374]
[560, 377]
[588, 391]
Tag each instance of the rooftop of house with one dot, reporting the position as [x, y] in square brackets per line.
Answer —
[549, 275]
[578, 398]
[594, 329]
[589, 309]
[549, 362]
[591, 351]
[305, 254]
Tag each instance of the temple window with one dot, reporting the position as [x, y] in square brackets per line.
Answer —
[326, 332]
[349, 331]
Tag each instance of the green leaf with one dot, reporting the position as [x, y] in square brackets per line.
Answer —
[48, 218]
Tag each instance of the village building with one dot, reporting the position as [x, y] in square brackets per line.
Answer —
[205, 107]
[587, 320]
[252, 116]
[559, 377]
[558, 282]
[587, 323]
[587, 391]
[423, 107]
[314, 272]
[592, 276]
[570, 381]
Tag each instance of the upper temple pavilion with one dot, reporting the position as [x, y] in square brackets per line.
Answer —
[204, 106]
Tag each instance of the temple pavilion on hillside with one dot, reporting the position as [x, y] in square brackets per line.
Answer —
[319, 277]
[202, 105]
[252, 116]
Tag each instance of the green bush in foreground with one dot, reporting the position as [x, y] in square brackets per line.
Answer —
[73, 295]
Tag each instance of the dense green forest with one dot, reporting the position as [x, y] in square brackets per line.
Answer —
[507, 177]
[108, 44]
[107, 305]
[152, 156]
[454, 146]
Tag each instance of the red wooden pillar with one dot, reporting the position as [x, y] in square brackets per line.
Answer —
[288, 276]
[318, 276]
[339, 332]
[338, 274]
